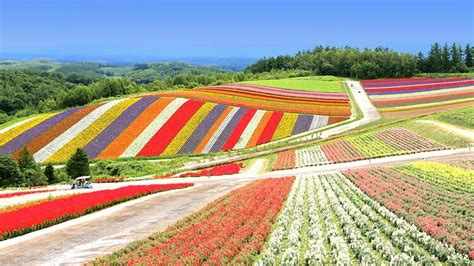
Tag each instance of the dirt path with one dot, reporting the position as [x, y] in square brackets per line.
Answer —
[79, 240]
[463, 132]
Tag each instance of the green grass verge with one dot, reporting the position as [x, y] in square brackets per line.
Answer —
[462, 117]
[314, 83]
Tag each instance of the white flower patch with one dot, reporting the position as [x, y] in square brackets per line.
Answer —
[219, 130]
[250, 129]
[310, 156]
[52, 147]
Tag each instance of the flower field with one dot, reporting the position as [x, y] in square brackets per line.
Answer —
[326, 220]
[436, 197]
[231, 230]
[200, 120]
[391, 95]
[47, 213]
[109, 180]
[387, 142]
[21, 193]
[224, 169]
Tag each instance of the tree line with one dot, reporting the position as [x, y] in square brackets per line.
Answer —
[371, 63]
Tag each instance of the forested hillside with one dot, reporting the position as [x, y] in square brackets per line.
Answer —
[369, 64]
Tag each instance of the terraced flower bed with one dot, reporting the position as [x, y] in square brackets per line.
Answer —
[388, 142]
[284, 160]
[231, 230]
[200, 120]
[31, 217]
[327, 220]
[391, 95]
[436, 197]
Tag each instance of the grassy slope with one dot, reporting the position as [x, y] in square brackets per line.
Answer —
[316, 84]
[463, 117]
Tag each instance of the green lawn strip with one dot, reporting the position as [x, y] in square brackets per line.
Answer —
[14, 121]
[437, 134]
[313, 84]
[463, 117]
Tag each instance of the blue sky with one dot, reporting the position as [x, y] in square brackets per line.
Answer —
[225, 28]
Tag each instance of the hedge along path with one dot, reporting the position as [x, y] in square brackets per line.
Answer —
[91, 131]
[249, 130]
[229, 128]
[270, 128]
[16, 131]
[158, 143]
[203, 128]
[258, 131]
[285, 127]
[187, 131]
[27, 136]
[125, 139]
[138, 144]
[93, 148]
[213, 129]
[44, 153]
[53, 132]
[219, 129]
[239, 130]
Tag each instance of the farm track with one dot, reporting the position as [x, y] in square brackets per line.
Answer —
[82, 239]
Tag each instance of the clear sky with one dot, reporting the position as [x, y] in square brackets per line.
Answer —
[221, 28]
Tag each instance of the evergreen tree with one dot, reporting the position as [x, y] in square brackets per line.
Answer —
[420, 62]
[446, 59]
[468, 56]
[10, 174]
[435, 59]
[26, 160]
[455, 55]
[78, 164]
[49, 173]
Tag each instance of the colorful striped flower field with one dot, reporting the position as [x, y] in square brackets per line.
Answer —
[392, 95]
[180, 122]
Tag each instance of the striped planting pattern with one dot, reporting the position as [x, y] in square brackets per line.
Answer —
[163, 124]
[391, 95]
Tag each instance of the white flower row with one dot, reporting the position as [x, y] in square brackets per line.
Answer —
[44, 153]
[316, 251]
[310, 156]
[275, 242]
[142, 139]
[250, 129]
[219, 130]
[319, 121]
[405, 229]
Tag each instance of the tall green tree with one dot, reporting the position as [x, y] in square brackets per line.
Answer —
[78, 164]
[49, 173]
[26, 160]
[10, 174]
[446, 59]
[468, 56]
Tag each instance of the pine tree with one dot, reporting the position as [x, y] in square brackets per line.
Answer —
[446, 59]
[421, 62]
[78, 164]
[435, 60]
[26, 161]
[49, 173]
[468, 56]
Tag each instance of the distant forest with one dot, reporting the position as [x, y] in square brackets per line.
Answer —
[31, 87]
[369, 64]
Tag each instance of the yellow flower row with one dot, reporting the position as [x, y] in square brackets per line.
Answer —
[185, 133]
[285, 127]
[92, 131]
[16, 131]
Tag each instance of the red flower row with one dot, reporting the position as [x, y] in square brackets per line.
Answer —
[231, 230]
[34, 217]
[224, 169]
